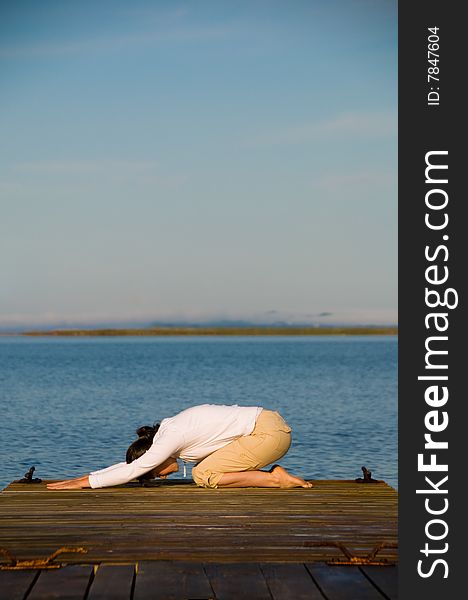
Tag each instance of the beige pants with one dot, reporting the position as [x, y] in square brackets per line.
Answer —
[268, 442]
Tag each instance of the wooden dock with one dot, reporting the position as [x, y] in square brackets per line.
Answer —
[172, 540]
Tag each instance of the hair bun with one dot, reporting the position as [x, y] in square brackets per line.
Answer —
[147, 431]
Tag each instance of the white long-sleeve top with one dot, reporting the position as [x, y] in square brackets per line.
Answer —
[191, 435]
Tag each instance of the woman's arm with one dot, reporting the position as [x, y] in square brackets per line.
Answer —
[163, 447]
[70, 484]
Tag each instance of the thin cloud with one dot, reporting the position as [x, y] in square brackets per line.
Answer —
[153, 12]
[62, 319]
[85, 167]
[111, 43]
[344, 125]
[149, 172]
[360, 181]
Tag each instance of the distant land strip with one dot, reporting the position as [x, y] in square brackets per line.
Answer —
[168, 331]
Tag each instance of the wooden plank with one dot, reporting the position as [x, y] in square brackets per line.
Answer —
[234, 581]
[290, 582]
[179, 581]
[385, 578]
[112, 582]
[224, 555]
[70, 583]
[343, 583]
[15, 584]
[178, 521]
[166, 580]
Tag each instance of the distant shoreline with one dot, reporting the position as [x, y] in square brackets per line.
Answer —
[216, 331]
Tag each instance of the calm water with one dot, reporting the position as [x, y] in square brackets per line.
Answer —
[71, 405]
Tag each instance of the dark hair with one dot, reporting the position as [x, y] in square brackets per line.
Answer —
[141, 445]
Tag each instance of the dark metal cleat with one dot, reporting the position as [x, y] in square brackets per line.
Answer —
[367, 477]
[28, 477]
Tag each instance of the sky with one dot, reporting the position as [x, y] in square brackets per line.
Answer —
[198, 160]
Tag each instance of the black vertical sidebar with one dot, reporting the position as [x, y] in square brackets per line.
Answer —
[433, 351]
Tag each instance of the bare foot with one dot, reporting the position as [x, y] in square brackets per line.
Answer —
[286, 480]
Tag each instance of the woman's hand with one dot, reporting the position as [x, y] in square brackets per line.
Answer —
[70, 484]
[164, 469]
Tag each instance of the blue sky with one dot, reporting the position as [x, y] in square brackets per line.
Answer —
[198, 160]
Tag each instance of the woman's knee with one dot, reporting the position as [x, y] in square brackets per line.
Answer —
[196, 475]
[205, 477]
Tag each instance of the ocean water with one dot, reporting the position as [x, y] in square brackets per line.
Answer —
[71, 405]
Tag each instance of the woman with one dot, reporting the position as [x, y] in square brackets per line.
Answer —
[230, 444]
